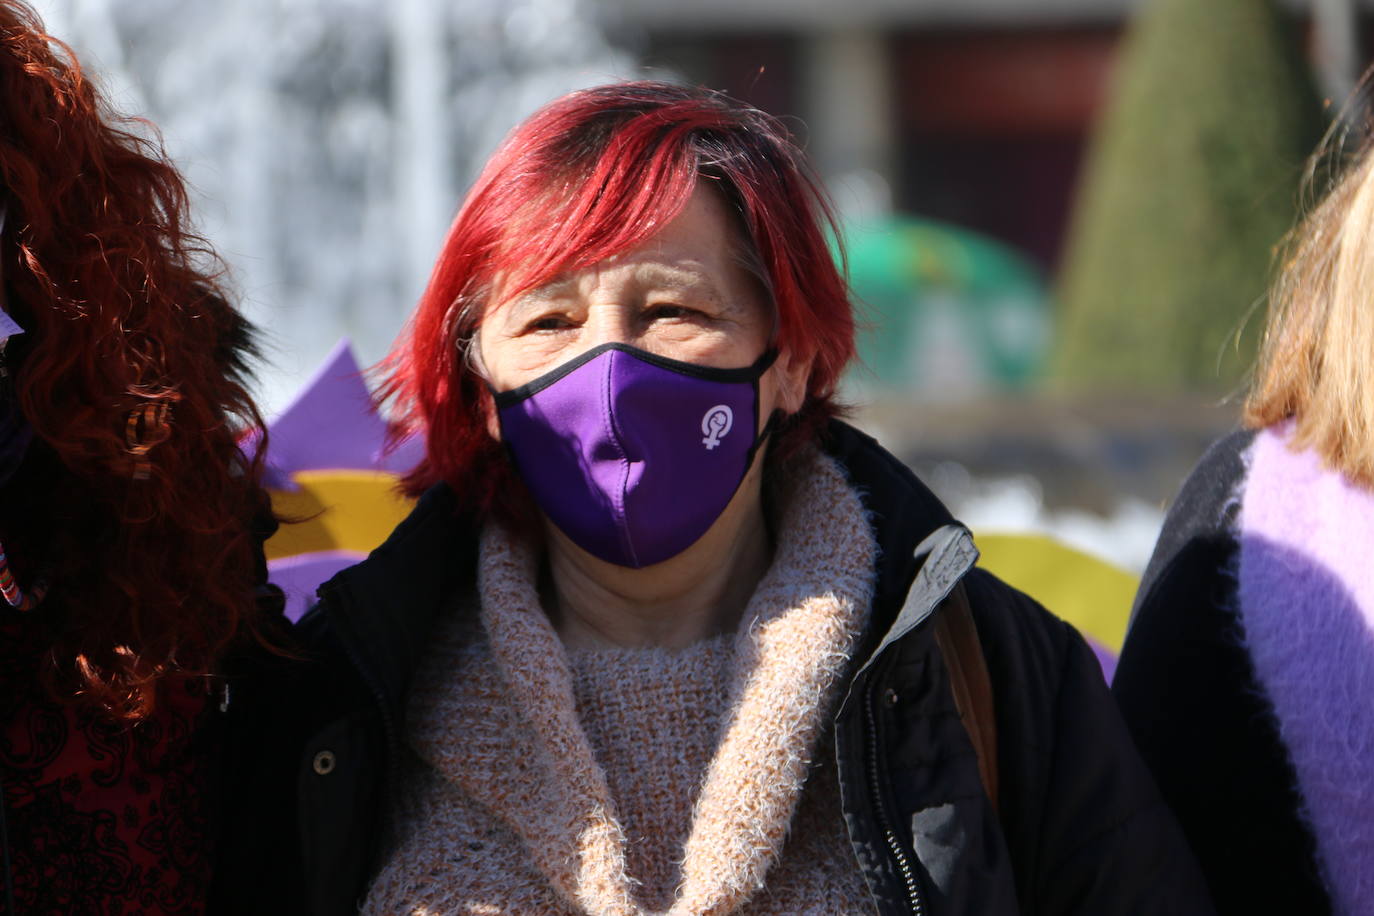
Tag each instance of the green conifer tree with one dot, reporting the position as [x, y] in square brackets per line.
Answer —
[1192, 180]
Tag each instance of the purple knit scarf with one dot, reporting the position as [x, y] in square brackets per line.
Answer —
[1307, 608]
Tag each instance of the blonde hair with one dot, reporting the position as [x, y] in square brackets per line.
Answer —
[1316, 365]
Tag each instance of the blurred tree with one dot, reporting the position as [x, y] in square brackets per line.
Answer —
[1192, 180]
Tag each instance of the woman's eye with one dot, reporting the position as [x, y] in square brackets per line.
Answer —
[549, 323]
[669, 311]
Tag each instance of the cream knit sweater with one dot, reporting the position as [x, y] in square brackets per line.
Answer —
[622, 782]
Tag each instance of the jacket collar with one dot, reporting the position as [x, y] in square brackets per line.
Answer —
[384, 608]
[911, 526]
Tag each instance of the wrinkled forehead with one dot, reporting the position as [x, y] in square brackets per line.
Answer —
[556, 235]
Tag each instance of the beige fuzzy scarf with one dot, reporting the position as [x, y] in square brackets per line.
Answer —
[501, 750]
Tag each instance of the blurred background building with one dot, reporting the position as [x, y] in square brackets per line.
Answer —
[1059, 213]
[975, 112]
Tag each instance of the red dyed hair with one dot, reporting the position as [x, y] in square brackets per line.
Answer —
[591, 175]
[153, 568]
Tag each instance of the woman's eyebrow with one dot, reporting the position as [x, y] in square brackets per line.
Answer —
[680, 280]
[554, 289]
[538, 297]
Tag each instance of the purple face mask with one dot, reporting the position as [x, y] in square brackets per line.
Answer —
[634, 456]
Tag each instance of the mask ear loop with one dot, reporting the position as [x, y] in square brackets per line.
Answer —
[764, 363]
[761, 366]
[773, 332]
[775, 417]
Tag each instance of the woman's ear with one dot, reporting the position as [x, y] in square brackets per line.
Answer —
[790, 377]
[493, 421]
[472, 353]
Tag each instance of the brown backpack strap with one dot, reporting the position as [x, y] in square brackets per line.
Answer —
[957, 636]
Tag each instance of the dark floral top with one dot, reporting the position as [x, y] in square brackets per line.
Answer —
[101, 818]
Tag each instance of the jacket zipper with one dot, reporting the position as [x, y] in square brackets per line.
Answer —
[894, 843]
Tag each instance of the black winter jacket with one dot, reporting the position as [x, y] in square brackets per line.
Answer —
[1082, 829]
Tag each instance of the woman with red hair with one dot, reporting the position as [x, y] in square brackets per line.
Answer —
[663, 635]
[129, 561]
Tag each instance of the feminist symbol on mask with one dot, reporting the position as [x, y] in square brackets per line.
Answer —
[716, 424]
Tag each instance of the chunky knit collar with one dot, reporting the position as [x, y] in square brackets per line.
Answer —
[790, 653]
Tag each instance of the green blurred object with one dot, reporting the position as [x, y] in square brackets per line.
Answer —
[943, 309]
[1192, 180]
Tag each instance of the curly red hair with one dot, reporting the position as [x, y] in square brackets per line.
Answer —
[593, 174]
[152, 560]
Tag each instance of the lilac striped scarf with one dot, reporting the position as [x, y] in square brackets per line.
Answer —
[1306, 588]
